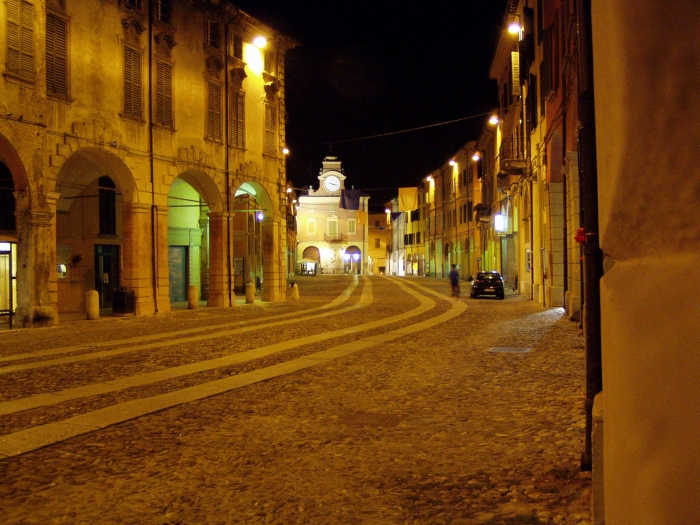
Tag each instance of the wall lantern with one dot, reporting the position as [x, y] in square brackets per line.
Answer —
[260, 216]
[429, 178]
[499, 223]
[452, 162]
[260, 42]
[285, 151]
[494, 120]
[356, 256]
[476, 157]
[346, 257]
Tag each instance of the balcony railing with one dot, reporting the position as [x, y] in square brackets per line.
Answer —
[513, 158]
[334, 237]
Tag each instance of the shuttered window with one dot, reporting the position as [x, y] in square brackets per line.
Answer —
[213, 124]
[164, 94]
[270, 129]
[238, 119]
[20, 39]
[515, 72]
[56, 55]
[133, 106]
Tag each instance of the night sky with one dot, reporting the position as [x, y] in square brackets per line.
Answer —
[369, 68]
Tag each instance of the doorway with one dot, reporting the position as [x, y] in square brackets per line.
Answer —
[106, 272]
[177, 265]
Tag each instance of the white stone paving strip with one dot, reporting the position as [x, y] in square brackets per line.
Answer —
[170, 342]
[343, 297]
[34, 438]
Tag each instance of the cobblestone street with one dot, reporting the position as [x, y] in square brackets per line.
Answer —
[368, 401]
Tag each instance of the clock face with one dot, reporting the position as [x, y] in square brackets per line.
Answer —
[331, 183]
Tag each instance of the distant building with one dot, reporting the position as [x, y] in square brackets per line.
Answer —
[331, 239]
[378, 232]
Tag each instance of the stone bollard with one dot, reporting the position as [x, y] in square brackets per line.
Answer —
[294, 292]
[250, 293]
[92, 305]
[192, 297]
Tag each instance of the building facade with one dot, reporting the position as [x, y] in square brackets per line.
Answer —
[145, 156]
[334, 240]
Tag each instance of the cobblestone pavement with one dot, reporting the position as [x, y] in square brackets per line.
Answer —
[383, 408]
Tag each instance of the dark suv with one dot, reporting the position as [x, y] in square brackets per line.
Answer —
[487, 283]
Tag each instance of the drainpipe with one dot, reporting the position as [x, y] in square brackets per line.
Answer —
[154, 209]
[227, 162]
[592, 254]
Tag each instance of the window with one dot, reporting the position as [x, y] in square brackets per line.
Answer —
[164, 10]
[377, 243]
[238, 47]
[7, 199]
[332, 228]
[213, 131]
[237, 119]
[352, 226]
[270, 58]
[270, 129]
[56, 55]
[20, 39]
[164, 94]
[311, 226]
[377, 224]
[108, 206]
[133, 3]
[213, 33]
[133, 107]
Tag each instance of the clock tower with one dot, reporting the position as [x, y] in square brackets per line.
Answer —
[331, 178]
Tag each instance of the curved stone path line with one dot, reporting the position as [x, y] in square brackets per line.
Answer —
[343, 297]
[365, 300]
[53, 398]
[44, 435]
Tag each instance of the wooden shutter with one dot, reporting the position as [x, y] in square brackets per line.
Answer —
[132, 84]
[270, 129]
[213, 111]
[238, 119]
[515, 72]
[20, 39]
[56, 55]
[164, 94]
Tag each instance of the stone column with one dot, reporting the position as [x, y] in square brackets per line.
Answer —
[218, 270]
[36, 260]
[162, 259]
[137, 261]
[274, 262]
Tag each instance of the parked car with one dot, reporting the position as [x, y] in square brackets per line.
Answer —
[487, 283]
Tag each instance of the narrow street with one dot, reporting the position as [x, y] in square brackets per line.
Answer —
[371, 400]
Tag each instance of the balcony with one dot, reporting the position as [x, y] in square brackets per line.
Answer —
[513, 159]
[335, 237]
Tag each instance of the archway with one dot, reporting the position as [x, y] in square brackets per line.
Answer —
[309, 263]
[196, 240]
[352, 260]
[94, 186]
[255, 239]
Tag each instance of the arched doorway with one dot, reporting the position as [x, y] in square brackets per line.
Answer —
[310, 259]
[94, 186]
[255, 240]
[197, 240]
[352, 260]
[8, 247]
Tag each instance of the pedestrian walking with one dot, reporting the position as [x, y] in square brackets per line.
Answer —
[454, 281]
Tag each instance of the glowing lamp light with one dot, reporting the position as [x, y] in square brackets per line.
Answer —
[260, 216]
[356, 256]
[289, 190]
[476, 157]
[387, 211]
[260, 42]
[429, 178]
[499, 223]
[346, 257]
[253, 58]
[285, 151]
[494, 120]
[514, 28]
